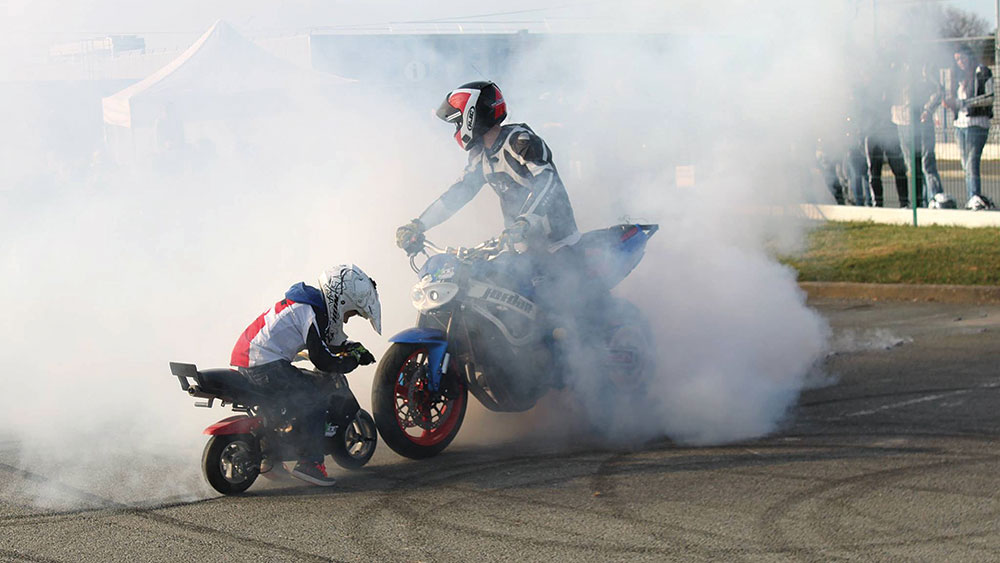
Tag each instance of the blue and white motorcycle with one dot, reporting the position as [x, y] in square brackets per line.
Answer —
[480, 330]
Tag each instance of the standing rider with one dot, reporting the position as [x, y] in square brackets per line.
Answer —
[518, 165]
[309, 319]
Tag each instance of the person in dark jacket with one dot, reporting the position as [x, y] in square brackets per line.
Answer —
[881, 137]
[971, 100]
[309, 319]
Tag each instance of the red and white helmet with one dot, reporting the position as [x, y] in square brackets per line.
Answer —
[474, 108]
[347, 288]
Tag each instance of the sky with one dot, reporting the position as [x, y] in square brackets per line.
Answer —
[983, 8]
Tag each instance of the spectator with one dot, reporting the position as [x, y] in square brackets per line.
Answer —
[971, 98]
[920, 95]
[840, 158]
[855, 166]
[881, 140]
[827, 167]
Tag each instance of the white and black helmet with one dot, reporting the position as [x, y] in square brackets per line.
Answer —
[347, 288]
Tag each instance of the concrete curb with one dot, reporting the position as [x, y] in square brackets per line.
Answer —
[949, 217]
[970, 294]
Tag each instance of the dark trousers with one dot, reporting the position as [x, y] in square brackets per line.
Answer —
[879, 152]
[566, 293]
[300, 394]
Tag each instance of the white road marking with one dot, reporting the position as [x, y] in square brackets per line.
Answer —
[907, 403]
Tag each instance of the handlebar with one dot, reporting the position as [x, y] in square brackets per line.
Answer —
[484, 250]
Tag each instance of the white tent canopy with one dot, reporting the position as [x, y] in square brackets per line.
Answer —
[221, 74]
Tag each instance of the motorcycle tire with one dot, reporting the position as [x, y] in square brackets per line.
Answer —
[231, 462]
[415, 423]
[354, 444]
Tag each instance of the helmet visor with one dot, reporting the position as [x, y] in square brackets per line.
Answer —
[450, 113]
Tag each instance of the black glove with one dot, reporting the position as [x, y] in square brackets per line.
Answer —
[360, 354]
[517, 230]
[410, 237]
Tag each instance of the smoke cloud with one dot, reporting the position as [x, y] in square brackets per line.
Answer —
[114, 266]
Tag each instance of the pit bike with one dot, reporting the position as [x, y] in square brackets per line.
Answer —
[246, 445]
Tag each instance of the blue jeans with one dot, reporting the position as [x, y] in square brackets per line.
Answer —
[971, 141]
[928, 162]
[856, 168]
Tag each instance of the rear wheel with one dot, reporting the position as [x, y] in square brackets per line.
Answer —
[354, 444]
[415, 421]
[231, 462]
[630, 363]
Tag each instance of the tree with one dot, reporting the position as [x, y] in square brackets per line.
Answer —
[956, 22]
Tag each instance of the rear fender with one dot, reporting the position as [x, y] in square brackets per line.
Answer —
[437, 344]
[238, 424]
[630, 250]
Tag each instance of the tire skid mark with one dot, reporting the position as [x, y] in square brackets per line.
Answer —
[20, 556]
[422, 518]
[391, 500]
[602, 482]
[769, 523]
[113, 508]
[857, 489]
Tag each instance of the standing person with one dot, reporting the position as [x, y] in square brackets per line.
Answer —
[921, 92]
[881, 140]
[828, 170]
[854, 167]
[971, 98]
[309, 319]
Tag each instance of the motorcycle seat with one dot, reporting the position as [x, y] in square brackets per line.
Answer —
[227, 383]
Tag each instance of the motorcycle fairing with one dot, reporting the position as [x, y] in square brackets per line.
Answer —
[437, 345]
[501, 296]
[439, 267]
[238, 424]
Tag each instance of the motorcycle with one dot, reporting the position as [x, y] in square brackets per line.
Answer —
[246, 445]
[480, 330]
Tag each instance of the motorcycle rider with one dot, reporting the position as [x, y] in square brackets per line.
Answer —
[518, 165]
[309, 319]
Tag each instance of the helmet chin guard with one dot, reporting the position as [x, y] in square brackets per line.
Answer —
[347, 288]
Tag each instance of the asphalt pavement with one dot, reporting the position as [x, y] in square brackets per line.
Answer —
[893, 458]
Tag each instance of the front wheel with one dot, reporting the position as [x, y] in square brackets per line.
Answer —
[415, 421]
[354, 444]
[231, 462]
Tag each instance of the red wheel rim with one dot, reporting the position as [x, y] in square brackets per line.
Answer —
[425, 417]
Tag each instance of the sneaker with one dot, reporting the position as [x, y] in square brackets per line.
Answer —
[979, 203]
[314, 473]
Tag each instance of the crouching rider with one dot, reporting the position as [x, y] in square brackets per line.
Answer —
[309, 319]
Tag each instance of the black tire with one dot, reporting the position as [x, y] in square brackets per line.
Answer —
[392, 409]
[231, 462]
[354, 444]
[630, 317]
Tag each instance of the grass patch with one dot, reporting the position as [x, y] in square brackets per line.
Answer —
[877, 253]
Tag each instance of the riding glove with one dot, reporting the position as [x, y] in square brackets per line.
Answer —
[410, 237]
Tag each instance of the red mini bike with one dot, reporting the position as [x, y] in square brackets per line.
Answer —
[244, 446]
